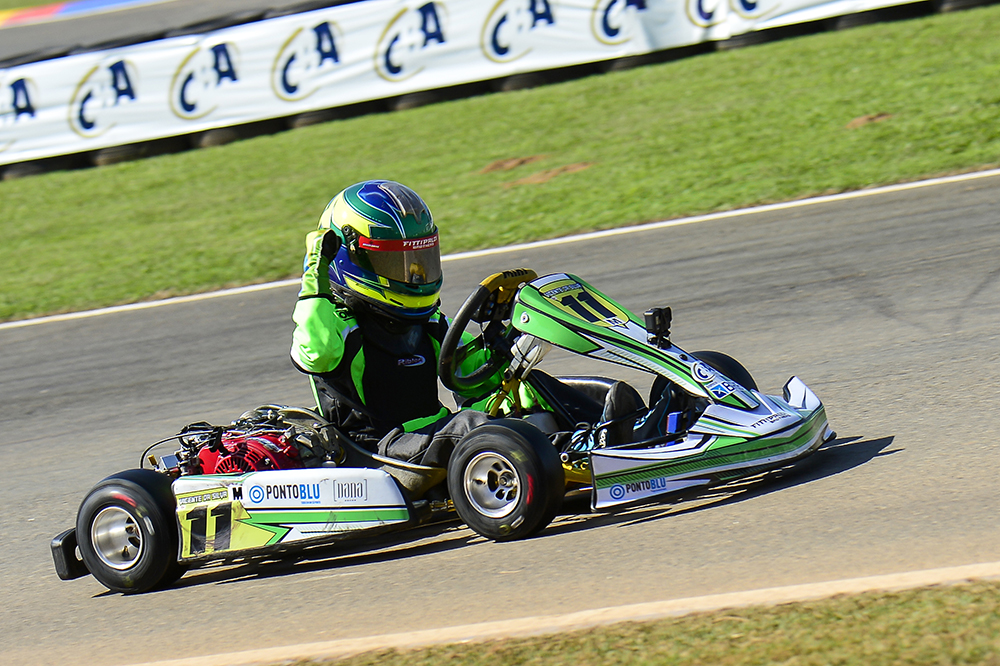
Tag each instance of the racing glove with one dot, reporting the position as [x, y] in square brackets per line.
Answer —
[317, 342]
[321, 247]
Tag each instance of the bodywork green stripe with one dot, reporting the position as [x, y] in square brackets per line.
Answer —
[338, 515]
[723, 452]
[280, 523]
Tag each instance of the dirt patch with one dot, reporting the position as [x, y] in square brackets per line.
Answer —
[867, 120]
[510, 163]
[546, 176]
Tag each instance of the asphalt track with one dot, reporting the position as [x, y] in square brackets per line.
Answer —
[886, 305]
[153, 20]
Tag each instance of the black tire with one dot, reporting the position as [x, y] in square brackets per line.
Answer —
[174, 572]
[728, 366]
[506, 480]
[127, 532]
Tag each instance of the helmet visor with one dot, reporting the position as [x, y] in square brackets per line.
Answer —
[411, 261]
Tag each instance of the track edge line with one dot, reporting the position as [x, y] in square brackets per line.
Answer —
[619, 231]
[551, 624]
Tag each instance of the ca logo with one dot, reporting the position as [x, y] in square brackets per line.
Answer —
[510, 28]
[705, 13]
[754, 9]
[102, 96]
[307, 56]
[408, 40]
[15, 107]
[613, 21]
[195, 87]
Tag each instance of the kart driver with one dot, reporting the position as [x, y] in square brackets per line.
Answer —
[368, 328]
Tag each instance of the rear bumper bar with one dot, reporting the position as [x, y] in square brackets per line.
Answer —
[68, 563]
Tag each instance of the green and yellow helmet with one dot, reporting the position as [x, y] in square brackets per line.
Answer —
[390, 255]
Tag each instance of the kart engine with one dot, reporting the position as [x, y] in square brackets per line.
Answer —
[241, 453]
[261, 439]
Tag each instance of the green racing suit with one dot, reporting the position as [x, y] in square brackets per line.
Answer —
[373, 376]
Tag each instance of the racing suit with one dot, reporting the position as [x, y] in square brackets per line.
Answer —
[374, 376]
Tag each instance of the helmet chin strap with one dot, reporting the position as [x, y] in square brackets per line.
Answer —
[389, 322]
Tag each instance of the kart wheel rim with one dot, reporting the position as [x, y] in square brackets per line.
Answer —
[492, 485]
[117, 538]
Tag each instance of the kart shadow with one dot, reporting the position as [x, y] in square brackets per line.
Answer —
[835, 457]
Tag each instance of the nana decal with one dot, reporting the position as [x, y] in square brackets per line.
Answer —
[309, 55]
[616, 21]
[201, 79]
[352, 491]
[17, 106]
[513, 26]
[102, 97]
[409, 40]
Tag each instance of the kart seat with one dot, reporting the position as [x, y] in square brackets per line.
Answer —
[575, 399]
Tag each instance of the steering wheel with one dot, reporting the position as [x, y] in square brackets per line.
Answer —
[491, 304]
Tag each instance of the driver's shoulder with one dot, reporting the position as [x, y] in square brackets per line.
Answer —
[438, 323]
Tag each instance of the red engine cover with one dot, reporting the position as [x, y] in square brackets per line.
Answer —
[251, 453]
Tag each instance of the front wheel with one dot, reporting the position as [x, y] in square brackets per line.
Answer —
[126, 532]
[728, 366]
[724, 363]
[506, 480]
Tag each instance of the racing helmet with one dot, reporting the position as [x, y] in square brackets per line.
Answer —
[389, 256]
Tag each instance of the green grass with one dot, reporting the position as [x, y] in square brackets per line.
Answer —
[955, 625]
[713, 132]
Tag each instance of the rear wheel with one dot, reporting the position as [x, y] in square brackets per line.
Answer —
[126, 532]
[506, 480]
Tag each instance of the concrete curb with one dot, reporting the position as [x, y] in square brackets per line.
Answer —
[552, 624]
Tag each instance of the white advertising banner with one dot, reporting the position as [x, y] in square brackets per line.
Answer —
[342, 55]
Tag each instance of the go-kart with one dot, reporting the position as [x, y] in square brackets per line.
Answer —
[281, 478]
